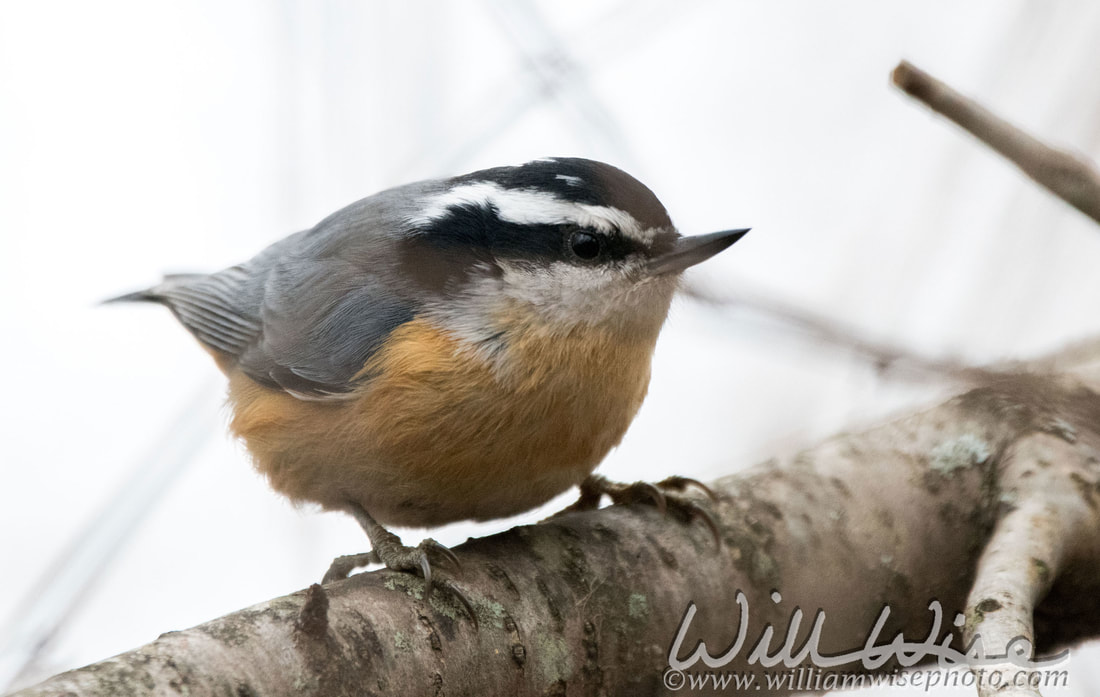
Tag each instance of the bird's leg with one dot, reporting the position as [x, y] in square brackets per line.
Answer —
[667, 495]
[387, 549]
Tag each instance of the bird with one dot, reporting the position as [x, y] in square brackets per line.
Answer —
[453, 349]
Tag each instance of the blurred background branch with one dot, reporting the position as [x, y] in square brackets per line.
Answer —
[1071, 177]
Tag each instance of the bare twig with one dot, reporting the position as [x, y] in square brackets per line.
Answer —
[1068, 176]
[823, 330]
[896, 361]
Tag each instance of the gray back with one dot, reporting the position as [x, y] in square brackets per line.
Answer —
[307, 312]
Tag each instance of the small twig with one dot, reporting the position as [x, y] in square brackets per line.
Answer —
[1068, 176]
[898, 362]
[821, 329]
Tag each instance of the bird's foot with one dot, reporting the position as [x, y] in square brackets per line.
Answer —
[389, 551]
[396, 556]
[667, 495]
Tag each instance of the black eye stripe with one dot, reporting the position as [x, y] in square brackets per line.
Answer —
[614, 245]
[471, 228]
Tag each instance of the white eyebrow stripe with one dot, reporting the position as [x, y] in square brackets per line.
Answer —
[532, 207]
[569, 179]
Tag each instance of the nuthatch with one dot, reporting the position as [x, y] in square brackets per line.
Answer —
[452, 349]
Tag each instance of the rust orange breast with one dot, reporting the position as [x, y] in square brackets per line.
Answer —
[440, 432]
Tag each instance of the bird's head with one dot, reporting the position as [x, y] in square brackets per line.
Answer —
[572, 241]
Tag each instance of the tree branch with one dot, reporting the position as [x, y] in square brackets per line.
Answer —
[1070, 177]
[589, 603]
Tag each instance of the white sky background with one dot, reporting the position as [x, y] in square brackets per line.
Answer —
[138, 138]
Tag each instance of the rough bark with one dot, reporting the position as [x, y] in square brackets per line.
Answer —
[925, 508]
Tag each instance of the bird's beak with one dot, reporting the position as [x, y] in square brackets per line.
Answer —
[689, 251]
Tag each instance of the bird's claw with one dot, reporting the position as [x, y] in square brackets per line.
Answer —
[408, 558]
[666, 495]
[695, 511]
[640, 489]
[457, 593]
[421, 556]
[398, 557]
[678, 483]
[443, 551]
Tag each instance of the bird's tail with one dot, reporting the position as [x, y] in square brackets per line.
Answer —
[156, 294]
[146, 295]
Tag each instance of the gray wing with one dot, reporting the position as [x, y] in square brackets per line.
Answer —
[306, 313]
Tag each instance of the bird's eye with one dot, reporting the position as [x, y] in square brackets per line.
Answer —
[585, 245]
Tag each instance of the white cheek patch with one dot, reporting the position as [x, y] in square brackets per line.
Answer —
[559, 284]
[532, 207]
[557, 297]
[560, 295]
